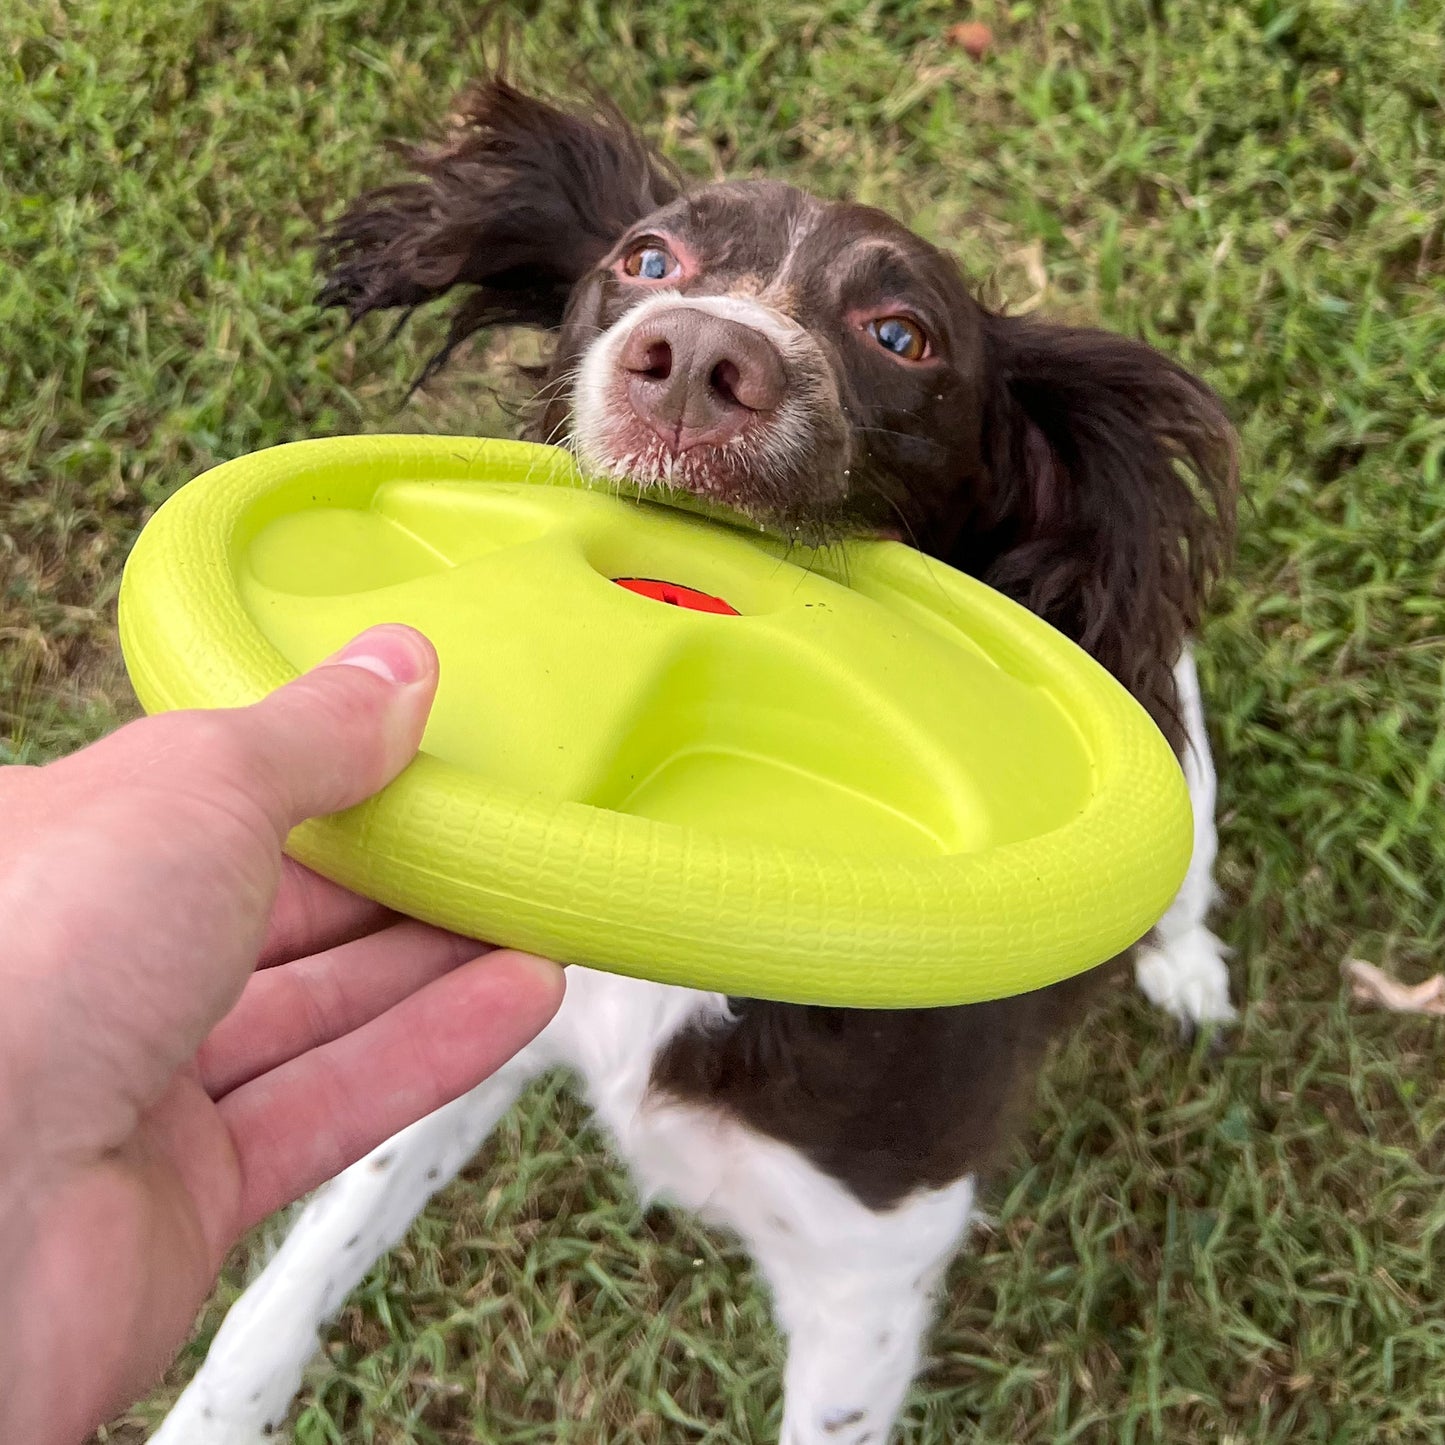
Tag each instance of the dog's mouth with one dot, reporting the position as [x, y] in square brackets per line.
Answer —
[691, 490]
[686, 489]
[675, 498]
[671, 492]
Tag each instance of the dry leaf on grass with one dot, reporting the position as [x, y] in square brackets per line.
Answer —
[1370, 985]
[973, 37]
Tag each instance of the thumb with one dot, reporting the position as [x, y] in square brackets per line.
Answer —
[342, 731]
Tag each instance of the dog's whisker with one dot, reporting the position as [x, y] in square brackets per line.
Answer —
[912, 438]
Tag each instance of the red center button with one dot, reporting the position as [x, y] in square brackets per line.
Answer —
[676, 596]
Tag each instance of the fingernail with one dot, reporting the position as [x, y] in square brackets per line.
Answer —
[541, 970]
[392, 652]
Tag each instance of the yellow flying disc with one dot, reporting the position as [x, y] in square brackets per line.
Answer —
[672, 748]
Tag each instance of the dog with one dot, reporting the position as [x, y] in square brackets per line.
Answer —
[823, 372]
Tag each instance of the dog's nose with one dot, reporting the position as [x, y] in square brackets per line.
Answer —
[696, 378]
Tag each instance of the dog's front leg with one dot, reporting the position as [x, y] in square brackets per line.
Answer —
[1181, 966]
[243, 1391]
[853, 1290]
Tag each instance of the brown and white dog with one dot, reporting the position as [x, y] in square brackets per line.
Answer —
[821, 369]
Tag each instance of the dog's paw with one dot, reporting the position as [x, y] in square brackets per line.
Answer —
[1188, 978]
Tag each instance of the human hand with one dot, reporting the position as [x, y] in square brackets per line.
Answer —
[195, 1031]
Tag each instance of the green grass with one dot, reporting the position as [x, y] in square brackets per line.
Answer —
[1248, 1249]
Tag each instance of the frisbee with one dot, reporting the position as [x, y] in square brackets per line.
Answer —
[674, 748]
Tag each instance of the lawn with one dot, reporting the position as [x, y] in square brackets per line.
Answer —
[1186, 1247]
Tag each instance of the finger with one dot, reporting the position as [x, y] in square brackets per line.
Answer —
[340, 732]
[289, 1010]
[305, 1121]
[312, 914]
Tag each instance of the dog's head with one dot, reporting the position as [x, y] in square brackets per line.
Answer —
[814, 366]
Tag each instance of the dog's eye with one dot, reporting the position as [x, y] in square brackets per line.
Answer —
[901, 335]
[650, 262]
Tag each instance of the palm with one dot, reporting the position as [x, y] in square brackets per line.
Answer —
[292, 1085]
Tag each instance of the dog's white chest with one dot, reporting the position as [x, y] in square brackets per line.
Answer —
[610, 1031]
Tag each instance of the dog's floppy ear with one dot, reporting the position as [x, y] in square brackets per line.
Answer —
[1115, 475]
[517, 203]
